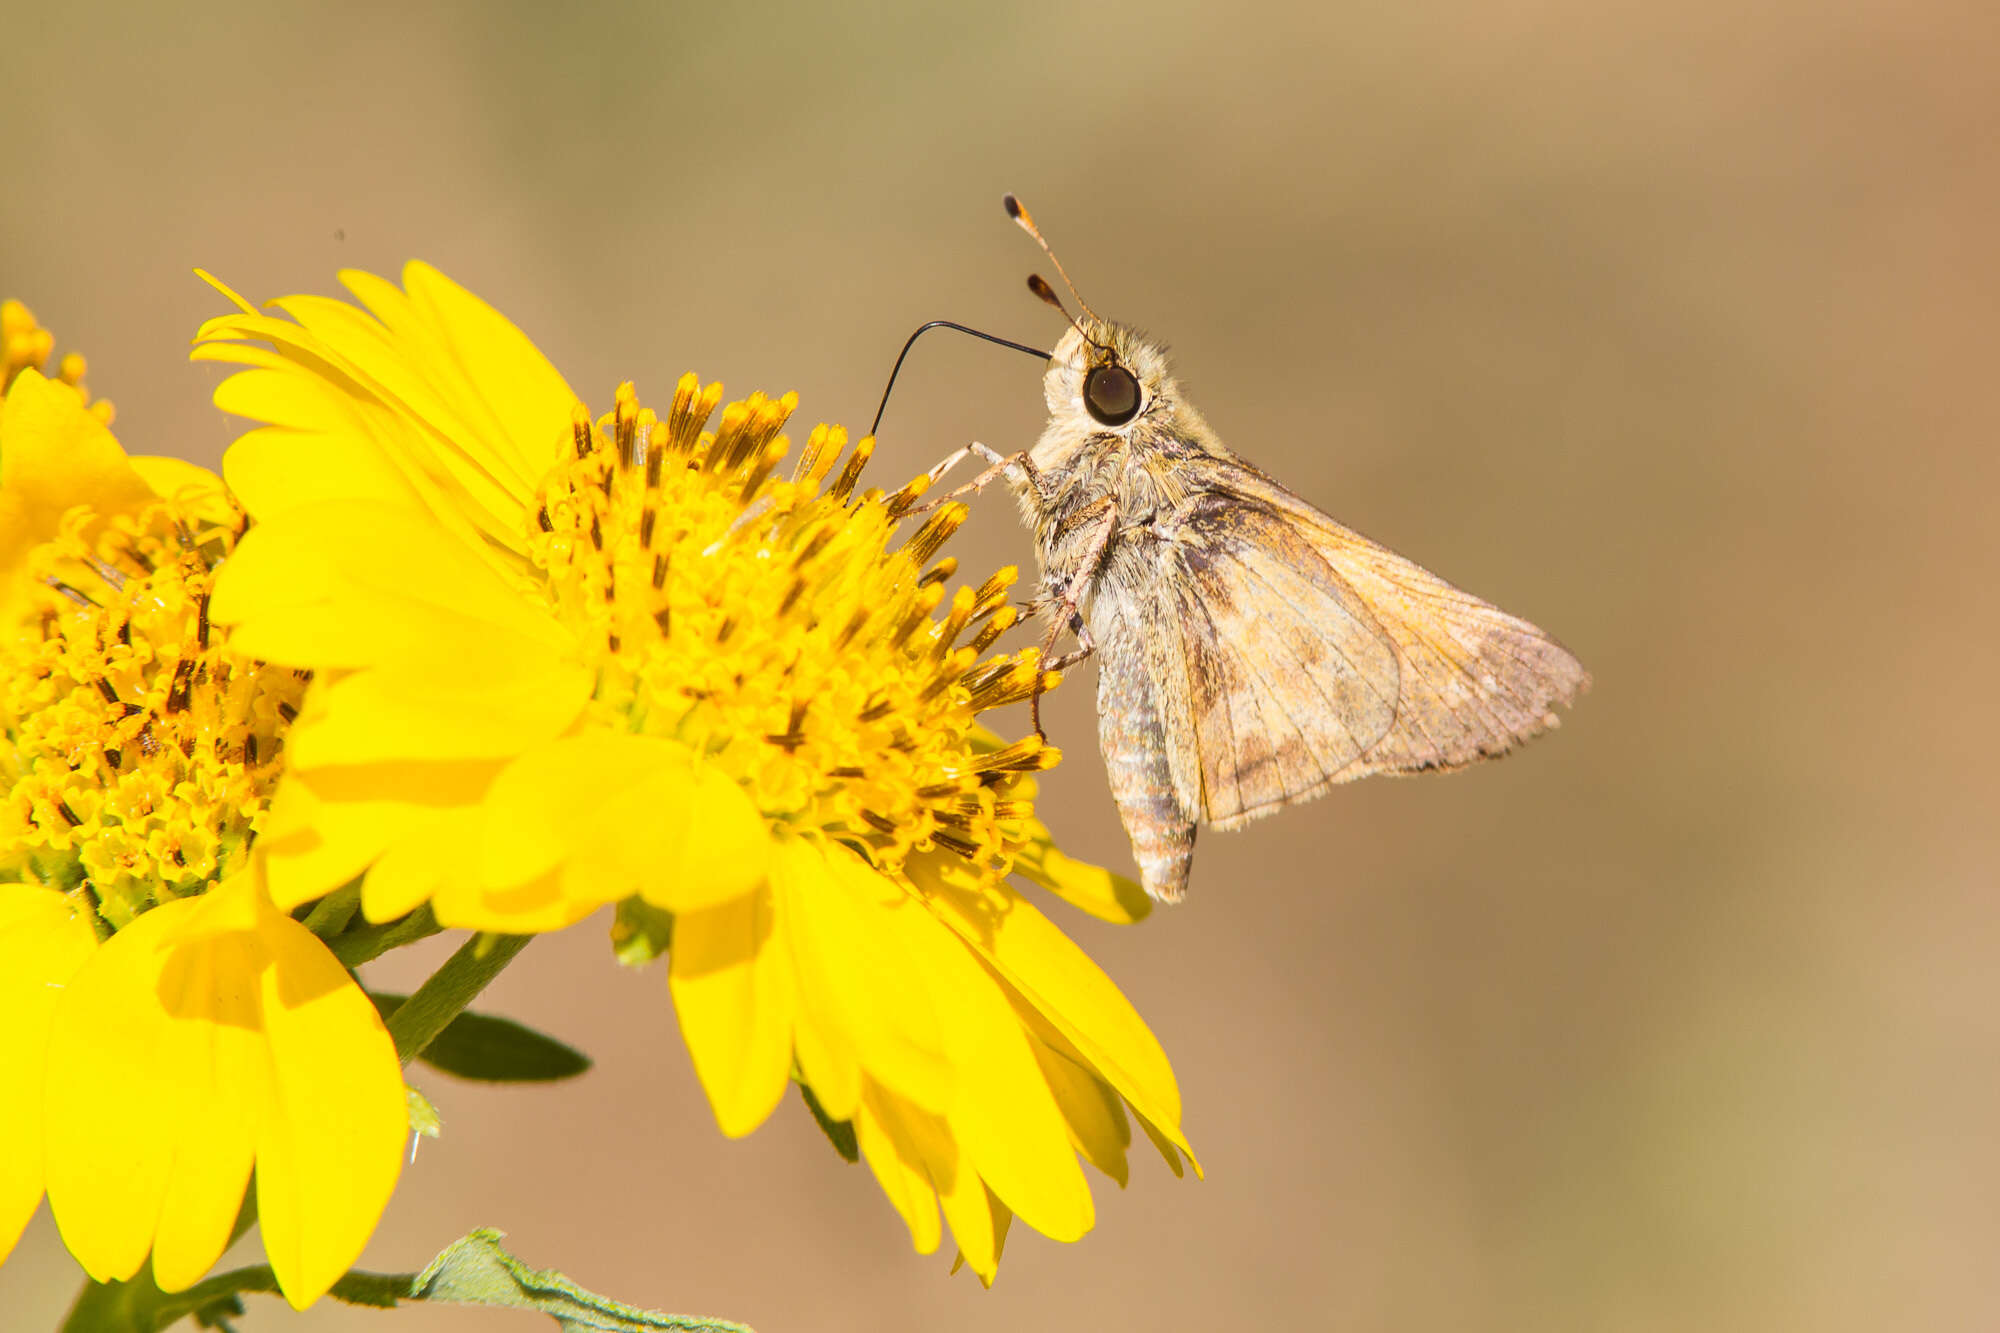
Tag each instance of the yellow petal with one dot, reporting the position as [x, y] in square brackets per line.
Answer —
[327, 826]
[42, 944]
[53, 455]
[1091, 1109]
[735, 994]
[215, 1145]
[1093, 889]
[330, 1141]
[870, 1004]
[526, 400]
[1062, 987]
[989, 1234]
[1171, 1150]
[975, 1216]
[420, 864]
[545, 904]
[624, 814]
[827, 1059]
[241, 1044]
[422, 389]
[126, 1036]
[1002, 1114]
[355, 583]
[263, 465]
[905, 1140]
[893, 1154]
[344, 372]
[494, 704]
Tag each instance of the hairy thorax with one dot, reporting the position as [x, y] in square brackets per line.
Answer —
[1083, 479]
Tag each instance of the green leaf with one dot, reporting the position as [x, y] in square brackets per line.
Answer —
[472, 1271]
[477, 1271]
[840, 1133]
[493, 1050]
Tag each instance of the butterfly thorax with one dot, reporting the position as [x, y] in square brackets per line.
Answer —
[1134, 475]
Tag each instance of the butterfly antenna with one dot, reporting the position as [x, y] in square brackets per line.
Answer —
[1039, 285]
[1027, 223]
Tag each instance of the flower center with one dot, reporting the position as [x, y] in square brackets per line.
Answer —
[767, 623]
[137, 753]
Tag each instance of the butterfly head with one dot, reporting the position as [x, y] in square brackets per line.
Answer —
[1104, 379]
[1108, 374]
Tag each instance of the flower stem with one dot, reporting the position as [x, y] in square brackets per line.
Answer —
[358, 946]
[452, 987]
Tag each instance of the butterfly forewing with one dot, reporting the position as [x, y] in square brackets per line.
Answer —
[1291, 678]
[1475, 682]
[1313, 656]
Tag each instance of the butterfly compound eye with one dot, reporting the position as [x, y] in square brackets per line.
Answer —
[1112, 395]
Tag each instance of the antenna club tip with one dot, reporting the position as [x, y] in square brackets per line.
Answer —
[1019, 214]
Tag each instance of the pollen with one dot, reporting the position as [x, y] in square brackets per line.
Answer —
[137, 754]
[792, 629]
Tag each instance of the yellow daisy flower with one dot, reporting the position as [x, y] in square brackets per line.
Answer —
[569, 662]
[163, 1024]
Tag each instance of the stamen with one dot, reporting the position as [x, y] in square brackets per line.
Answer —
[936, 531]
[954, 623]
[1030, 754]
[951, 842]
[1002, 621]
[813, 546]
[110, 573]
[773, 453]
[899, 503]
[843, 485]
[626, 423]
[77, 595]
[921, 605]
[822, 447]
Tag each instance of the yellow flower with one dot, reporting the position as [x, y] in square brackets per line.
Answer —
[26, 345]
[137, 753]
[567, 663]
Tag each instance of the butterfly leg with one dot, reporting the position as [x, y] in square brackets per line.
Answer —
[1000, 463]
[1065, 597]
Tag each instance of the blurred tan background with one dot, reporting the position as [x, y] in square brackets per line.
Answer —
[1668, 326]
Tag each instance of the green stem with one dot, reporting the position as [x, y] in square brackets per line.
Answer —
[442, 998]
[370, 942]
[331, 914]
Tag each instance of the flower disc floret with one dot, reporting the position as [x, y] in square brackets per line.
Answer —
[137, 754]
